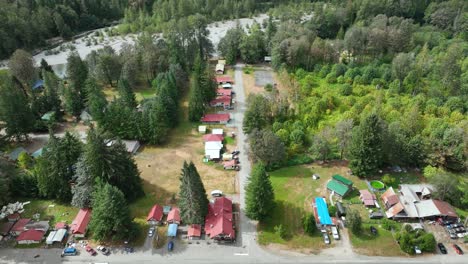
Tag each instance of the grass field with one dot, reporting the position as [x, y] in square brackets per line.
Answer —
[50, 210]
[382, 245]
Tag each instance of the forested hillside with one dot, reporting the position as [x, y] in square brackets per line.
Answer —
[28, 24]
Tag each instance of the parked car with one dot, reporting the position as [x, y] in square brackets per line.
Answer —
[91, 251]
[235, 152]
[326, 238]
[217, 193]
[69, 251]
[151, 231]
[105, 251]
[170, 245]
[417, 250]
[457, 249]
[335, 233]
[373, 230]
[442, 248]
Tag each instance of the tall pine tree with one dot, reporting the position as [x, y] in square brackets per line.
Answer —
[126, 93]
[193, 202]
[365, 151]
[259, 194]
[111, 215]
[196, 102]
[96, 100]
[83, 188]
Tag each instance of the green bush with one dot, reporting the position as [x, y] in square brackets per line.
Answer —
[299, 160]
[331, 78]
[332, 210]
[280, 231]
[308, 222]
[268, 87]
[346, 89]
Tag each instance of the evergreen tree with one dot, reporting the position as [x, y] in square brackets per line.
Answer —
[83, 188]
[155, 121]
[366, 153]
[96, 100]
[122, 121]
[7, 173]
[15, 111]
[51, 93]
[193, 202]
[55, 168]
[21, 66]
[130, 71]
[111, 215]
[77, 73]
[112, 164]
[73, 103]
[196, 102]
[126, 94]
[260, 196]
[309, 224]
[229, 45]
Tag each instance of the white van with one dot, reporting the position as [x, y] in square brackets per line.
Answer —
[335, 233]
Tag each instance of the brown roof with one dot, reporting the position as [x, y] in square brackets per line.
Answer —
[394, 210]
[389, 197]
[20, 224]
[6, 227]
[445, 208]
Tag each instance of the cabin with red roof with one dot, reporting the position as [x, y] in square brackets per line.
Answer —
[194, 232]
[213, 138]
[30, 237]
[216, 118]
[221, 101]
[79, 225]
[174, 216]
[219, 223]
[223, 92]
[224, 80]
[155, 215]
[18, 227]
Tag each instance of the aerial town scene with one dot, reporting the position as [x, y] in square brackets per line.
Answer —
[233, 131]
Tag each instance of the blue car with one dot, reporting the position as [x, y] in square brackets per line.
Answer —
[170, 246]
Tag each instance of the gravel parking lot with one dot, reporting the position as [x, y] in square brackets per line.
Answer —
[263, 77]
[441, 236]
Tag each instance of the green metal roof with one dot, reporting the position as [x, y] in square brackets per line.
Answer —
[339, 188]
[342, 179]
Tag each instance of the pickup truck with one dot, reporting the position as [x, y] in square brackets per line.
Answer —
[335, 233]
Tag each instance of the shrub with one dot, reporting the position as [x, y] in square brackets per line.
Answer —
[324, 71]
[331, 78]
[388, 180]
[346, 90]
[387, 224]
[340, 79]
[427, 242]
[332, 210]
[299, 160]
[268, 87]
[308, 222]
[280, 231]
[354, 221]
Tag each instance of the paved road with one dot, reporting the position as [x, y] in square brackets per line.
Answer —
[245, 251]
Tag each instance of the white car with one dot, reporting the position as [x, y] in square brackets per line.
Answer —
[151, 231]
[417, 250]
[335, 233]
[326, 239]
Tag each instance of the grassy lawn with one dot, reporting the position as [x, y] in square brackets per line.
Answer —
[382, 245]
[50, 210]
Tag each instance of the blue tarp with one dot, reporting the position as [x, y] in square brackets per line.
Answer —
[322, 211]
[38, 84]
[172, 230]
[37, 153]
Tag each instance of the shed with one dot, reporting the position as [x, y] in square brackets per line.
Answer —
[267, 59]
[36, 154]
[223, 62]
[155, 215]
[338, 188]
[217, 131]
[342, 180]
[174, 216]
[14, 155]
[227, 156]
[57, 236]
[219, 68]
[367, 198]
[30, 237]
[224, 92]
[80, 223]
[61, 225]
[172, 230]
[202, 129]
[376, 215]
[132, 146]
[194, 232]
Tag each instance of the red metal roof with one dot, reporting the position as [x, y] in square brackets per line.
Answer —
[174, 215]
[61, 225]
[224, 99]
[213, 138]
[225, 92]
[20, 224]
[14, 216]
[194, 231]
[216, 118]
[81, 221]
[31, 234]
[156, 213]
[223, 79]
[445, 208]
[219, 221]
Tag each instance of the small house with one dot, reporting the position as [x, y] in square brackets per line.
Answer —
[219, 224]
[155, 215]
[172, 230]
[216, 118]
[202, 129]
[18, 227]
[221, 101]
[337, 188]
[223, 92]
[79, 225]
[224, 80]
[174, 216]
[213, 150]
[367, 198]
[342, 180]
[30, 237]
[194, 232]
